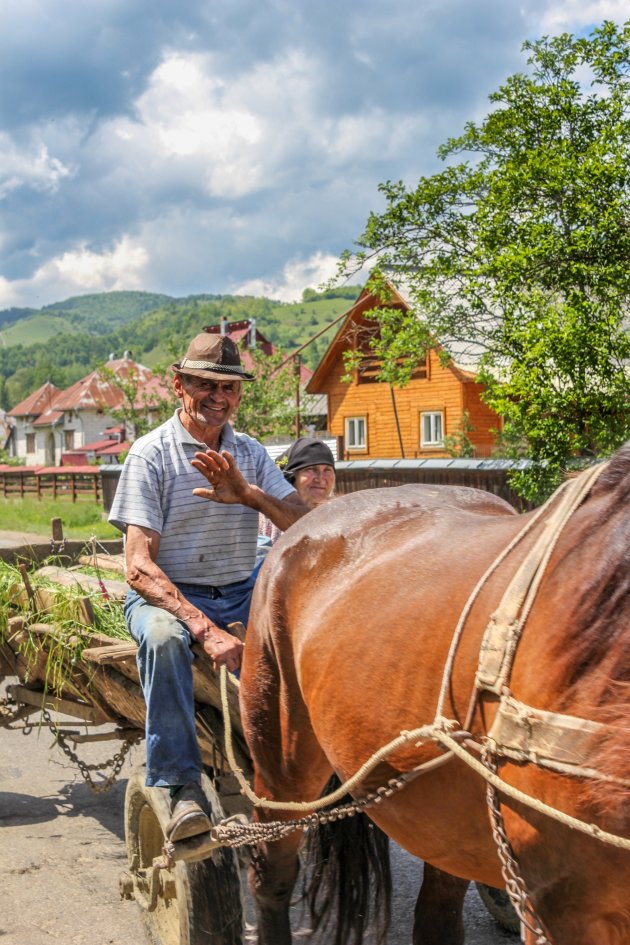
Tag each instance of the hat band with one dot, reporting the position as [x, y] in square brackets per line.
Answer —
[209, 366]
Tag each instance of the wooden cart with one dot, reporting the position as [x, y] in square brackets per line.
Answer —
[198, 901]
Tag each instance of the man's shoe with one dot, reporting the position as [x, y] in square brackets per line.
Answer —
[188, 815]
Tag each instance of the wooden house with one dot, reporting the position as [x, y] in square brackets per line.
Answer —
[374, 420]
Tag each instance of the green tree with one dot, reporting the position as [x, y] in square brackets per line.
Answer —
[520, 253]
[268, 405]
[141, 411]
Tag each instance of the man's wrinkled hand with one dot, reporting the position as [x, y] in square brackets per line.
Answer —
[227, 484]
[223, 648]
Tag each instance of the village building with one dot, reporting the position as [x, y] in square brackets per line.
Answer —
[74, 426]
[372, 420]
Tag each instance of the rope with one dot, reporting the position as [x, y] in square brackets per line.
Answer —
[424, 733]
[469, 603]
[623, 843]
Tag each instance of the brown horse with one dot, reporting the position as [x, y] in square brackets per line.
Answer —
[351, 624]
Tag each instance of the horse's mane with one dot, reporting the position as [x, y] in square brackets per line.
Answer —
[596, 656]
[598, 632]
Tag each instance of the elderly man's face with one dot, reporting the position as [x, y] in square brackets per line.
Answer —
[207, 402]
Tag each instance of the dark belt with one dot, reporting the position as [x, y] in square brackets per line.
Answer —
[213, 591]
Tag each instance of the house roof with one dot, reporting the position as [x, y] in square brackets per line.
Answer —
[97, 392]
[48, 418]
[365, 302]
[113, 449]
[35, 403]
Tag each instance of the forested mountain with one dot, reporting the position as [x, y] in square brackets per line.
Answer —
[64, 341]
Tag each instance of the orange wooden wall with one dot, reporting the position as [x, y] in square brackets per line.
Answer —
[445, 389]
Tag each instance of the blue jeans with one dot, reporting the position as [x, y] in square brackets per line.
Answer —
[164, 662]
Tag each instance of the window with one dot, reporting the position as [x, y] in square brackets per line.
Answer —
[68, 439]
[356, 428]
[432, 428]
[30, 442]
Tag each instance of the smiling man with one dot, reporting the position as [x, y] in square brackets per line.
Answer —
[190, 553]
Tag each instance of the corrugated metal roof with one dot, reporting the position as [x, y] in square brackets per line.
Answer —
[113, 449]
[35, 403]
[433, 464]
[48, 418]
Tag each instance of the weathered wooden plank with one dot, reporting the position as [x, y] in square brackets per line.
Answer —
[114, 653]
[44, 700]
[117, 590]
[122, 697]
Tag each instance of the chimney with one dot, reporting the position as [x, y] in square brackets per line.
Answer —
[251, 341]
[127, 355]
[223, 325]
[112, 355]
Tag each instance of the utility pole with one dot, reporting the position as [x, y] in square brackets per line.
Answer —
[297, 365]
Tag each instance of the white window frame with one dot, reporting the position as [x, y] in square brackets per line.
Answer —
[360, 443]
[436, 436]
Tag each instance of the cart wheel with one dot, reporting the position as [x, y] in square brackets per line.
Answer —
[500, 907]
[196, 903]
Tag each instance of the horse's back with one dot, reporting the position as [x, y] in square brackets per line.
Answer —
[368, 585]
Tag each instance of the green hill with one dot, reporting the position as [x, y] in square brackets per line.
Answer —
[64, 341]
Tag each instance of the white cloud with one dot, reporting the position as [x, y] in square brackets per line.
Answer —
[79, 271]
[31, 167]
[296, 276]
[574, 15]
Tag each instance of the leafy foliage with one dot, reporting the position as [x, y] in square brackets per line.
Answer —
[268, 404]
[519, 255]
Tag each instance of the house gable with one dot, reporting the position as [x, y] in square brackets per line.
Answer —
[378, 421]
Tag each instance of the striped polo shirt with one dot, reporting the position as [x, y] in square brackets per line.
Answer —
[202, 542]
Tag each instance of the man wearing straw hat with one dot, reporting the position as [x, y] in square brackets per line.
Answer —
[190, 560]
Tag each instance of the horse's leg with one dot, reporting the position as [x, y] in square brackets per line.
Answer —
[272, 875]
[439, 918]
[289, 765]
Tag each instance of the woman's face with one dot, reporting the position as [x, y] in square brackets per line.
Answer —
[315, 484]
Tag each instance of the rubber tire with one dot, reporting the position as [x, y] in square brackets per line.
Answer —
[498, 904]
[208, 906]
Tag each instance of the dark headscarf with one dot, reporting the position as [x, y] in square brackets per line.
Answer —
[303, 453]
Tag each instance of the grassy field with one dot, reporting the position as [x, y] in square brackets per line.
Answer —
[81, 519]
[36, 328]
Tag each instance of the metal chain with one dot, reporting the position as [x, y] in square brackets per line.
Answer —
[233, 833]
[514, 883]
[115, 763]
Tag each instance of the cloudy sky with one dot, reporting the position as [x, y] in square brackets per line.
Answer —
[187, 146]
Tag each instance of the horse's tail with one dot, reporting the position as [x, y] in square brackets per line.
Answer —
[347, 881]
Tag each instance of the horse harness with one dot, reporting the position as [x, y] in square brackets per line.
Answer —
[519, 732]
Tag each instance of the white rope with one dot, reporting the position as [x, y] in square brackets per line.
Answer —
[591, 829]
[448, 668]
[422, 734]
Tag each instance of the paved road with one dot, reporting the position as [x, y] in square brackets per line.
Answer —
[63, 850]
